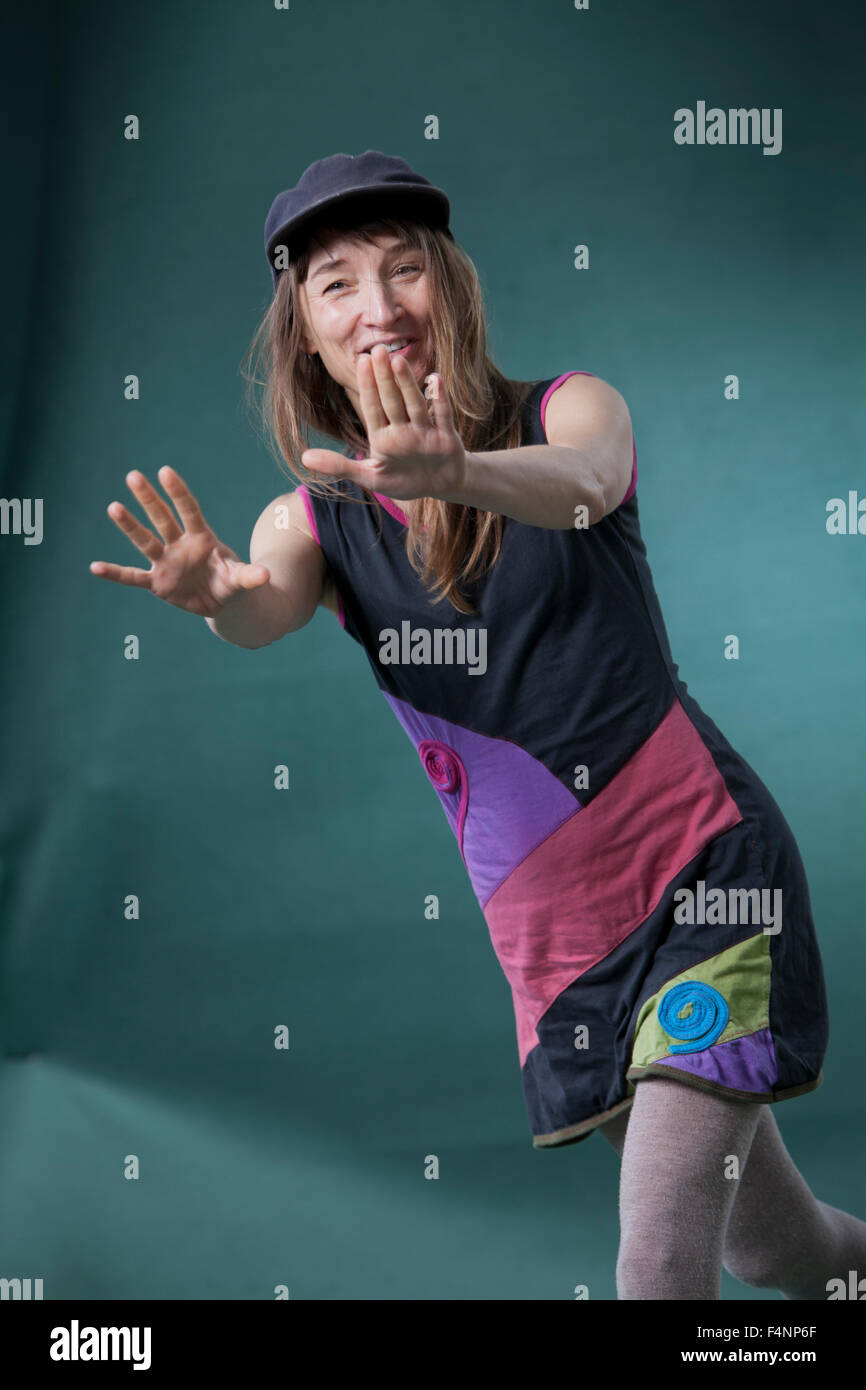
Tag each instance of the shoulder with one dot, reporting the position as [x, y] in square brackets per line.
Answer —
[290, 508]
[583, 401]
[289, 515]
[582, 411]
[305, 508]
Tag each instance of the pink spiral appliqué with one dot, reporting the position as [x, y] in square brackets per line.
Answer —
[446, 771]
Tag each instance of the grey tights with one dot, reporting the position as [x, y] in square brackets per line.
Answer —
[682, 1218]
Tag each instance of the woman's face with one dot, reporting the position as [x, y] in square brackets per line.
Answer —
[357, 294]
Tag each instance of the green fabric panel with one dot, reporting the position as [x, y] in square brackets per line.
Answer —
[741, 974]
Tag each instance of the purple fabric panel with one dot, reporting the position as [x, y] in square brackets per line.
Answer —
[746, 1064]
[514, 802]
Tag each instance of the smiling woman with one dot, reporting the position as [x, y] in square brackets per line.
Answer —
[346, 289]
[586, 787]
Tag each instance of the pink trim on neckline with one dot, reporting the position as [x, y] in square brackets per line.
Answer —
[543, 409]
[391, 506]
[388, 503]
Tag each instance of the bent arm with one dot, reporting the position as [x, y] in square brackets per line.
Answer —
[586, 462]
[281, 541]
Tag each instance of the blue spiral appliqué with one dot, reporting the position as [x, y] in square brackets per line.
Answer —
[696, 1012]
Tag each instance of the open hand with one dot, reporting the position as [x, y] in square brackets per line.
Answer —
[415, 451]
[191, 567]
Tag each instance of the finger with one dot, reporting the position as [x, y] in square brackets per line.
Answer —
[372, 410]
[121, 574]
[141, 538]
[413, 398]
[389, 392]
[157, 509]
[327, 462]
[364, 472]
[439, 403]
[188, 508]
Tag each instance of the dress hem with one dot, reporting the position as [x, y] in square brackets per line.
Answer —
[572, 1134]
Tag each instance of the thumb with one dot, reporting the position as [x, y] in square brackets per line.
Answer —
[252, 576]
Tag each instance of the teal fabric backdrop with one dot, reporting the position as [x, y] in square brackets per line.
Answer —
[152, 1039]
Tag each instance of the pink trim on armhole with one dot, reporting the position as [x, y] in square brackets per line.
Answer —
[305, 498]
[308, 508]
[546, 397]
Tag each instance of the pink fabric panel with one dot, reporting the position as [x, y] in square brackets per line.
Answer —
[308, 508]
[604, 870]
[546, 397]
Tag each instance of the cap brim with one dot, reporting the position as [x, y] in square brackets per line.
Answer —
[354, 206]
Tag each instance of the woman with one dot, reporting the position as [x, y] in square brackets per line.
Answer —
[480, 540]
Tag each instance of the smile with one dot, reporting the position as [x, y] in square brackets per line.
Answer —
[403, 351]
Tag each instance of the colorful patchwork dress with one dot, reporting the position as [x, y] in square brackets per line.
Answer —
[644, 893]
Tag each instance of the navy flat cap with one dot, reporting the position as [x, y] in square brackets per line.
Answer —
[348, 189]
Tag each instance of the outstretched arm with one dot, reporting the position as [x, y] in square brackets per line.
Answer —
[416, 451]
[586, 463]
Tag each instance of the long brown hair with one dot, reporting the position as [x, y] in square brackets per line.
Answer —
[446, 542]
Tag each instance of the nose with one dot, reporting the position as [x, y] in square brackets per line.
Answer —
[381, 303]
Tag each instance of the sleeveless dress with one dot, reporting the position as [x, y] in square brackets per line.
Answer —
[644, 894]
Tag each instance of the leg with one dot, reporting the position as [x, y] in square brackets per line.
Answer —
[780, 1236]
[675, 1198]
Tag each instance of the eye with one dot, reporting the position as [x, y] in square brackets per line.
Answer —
[405, 266]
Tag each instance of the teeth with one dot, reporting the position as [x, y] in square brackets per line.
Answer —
[394, 347]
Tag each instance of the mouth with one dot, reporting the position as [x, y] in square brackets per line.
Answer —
[398, 352]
